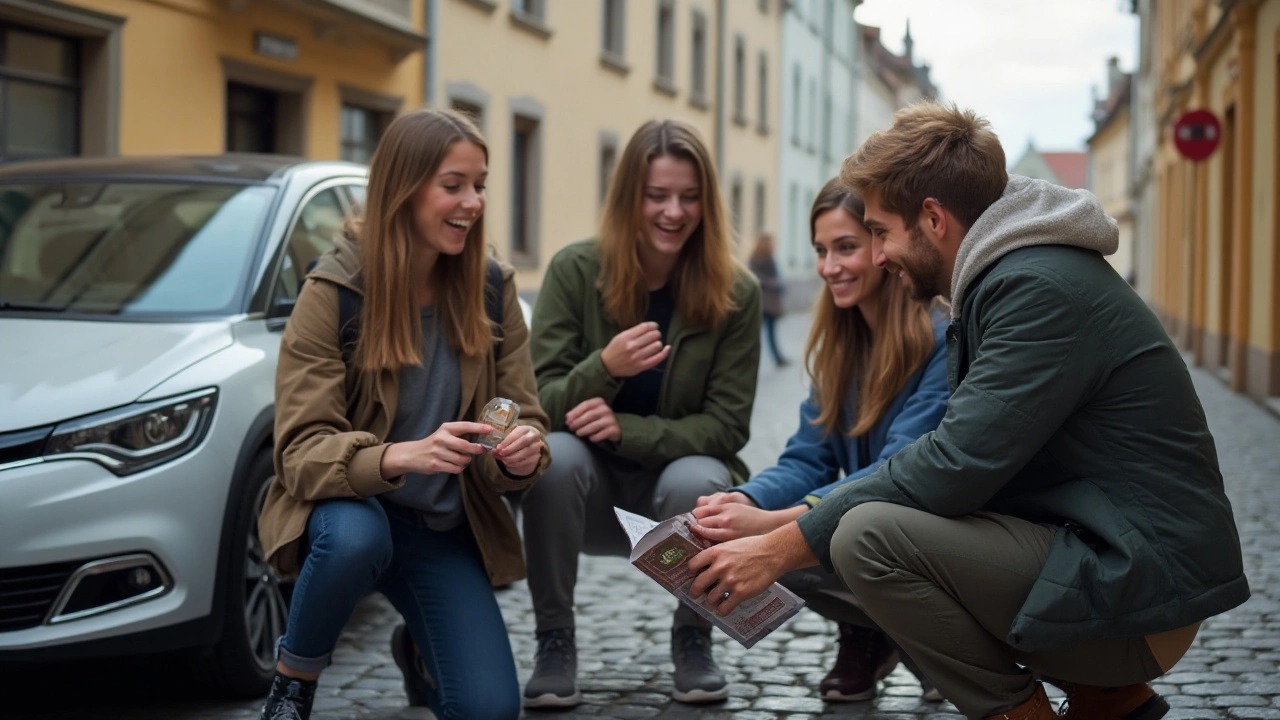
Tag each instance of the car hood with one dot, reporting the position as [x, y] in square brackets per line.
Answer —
[54, 370]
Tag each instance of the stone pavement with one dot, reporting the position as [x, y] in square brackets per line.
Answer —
[1233, 671]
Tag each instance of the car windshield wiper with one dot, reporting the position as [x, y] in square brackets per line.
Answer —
[31, 307]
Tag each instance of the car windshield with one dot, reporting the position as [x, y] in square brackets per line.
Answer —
[127, 249]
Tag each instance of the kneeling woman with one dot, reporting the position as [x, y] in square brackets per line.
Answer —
[879, 370]
[379, 484]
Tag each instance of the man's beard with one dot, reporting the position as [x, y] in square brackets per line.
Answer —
[924, 265]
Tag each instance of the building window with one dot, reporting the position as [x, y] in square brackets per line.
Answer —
[762, 95]
[251, 118]
[474, 112]
[813, 114]
[532, 9]
[40, 94]
[698, 84]
[266, 109]
[608, 160]
[666, 69]
[613, 31]
[764, 6]
[794, 222]
[360, 130]
[762, 204]
[740, 80]
[525, 171]
[797, 86]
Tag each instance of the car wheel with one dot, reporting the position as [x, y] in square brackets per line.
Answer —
[256, 601]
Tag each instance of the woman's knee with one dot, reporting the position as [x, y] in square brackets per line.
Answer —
[571, 465]
[351, 534]
[689, 478]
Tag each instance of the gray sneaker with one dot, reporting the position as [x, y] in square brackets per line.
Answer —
[555, 672]
[697, 678]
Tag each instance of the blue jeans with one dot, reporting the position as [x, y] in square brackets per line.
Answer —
[436, 580]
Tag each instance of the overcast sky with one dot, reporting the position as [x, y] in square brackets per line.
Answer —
[1027, 65]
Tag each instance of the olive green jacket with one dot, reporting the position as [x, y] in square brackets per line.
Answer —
[708, 387]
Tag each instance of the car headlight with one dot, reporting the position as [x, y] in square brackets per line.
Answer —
[136, 437]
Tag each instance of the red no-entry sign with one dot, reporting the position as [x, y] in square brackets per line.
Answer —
[1196, 134]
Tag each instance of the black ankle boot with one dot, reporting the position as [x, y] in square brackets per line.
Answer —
[290, 699]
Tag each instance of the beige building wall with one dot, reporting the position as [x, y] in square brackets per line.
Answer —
[1109, 159]
[750, 162]
[551, 74]
[154, 74]
[1218, 242]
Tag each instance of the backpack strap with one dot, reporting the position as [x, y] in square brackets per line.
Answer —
[349, 302]
[493, 303]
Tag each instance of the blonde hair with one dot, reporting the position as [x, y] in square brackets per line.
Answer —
[702, 280]
[932, 151]
[842, 353]
[408, 155]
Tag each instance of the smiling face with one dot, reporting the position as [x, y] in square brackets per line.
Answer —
[906, 252]
[450, 202]
[845, 260]
[672, 207]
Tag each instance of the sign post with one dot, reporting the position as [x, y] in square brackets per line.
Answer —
[1196, 134]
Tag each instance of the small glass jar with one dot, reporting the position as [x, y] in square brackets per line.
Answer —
[499, 414]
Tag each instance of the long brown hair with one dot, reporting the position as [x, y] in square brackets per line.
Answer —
[408, 155]
[842, 353]
[702, 280]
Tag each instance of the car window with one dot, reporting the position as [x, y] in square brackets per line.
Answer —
[310, 237]
[128, 249]
[357, 197]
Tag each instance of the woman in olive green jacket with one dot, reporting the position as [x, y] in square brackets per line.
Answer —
[646, 346]
[381, 484]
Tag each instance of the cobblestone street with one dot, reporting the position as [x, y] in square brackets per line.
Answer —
[1233, 670]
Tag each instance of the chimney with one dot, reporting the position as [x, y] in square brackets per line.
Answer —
[908, 44]
[1114, 74]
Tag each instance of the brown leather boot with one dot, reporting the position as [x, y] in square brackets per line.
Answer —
[1131, 702]
[1036, 707]
[865, 657]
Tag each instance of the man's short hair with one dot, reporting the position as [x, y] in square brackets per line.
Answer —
[932, 151]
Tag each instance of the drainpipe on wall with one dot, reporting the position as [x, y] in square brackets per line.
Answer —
[719, 130]
[429, 54]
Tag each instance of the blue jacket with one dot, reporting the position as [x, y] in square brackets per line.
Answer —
[811, 464]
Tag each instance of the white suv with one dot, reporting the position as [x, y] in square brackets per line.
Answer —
[141, 305]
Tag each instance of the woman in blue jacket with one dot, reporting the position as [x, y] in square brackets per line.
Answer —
[877, 360]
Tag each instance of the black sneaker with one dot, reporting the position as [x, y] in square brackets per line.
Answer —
[865, 657]
[417, 681]
[290, 699]
[697, 678]
[555, 672]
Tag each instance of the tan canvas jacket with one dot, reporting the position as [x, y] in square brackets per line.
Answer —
[332, 421]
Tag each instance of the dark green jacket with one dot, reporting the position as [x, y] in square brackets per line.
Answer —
[1070, 405]
[707, 390]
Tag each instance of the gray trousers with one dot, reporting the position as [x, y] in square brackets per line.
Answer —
[947, 591]
[570, 511]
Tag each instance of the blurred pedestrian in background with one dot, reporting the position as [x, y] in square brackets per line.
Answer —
[379, 485]
[765, 267]
[878, 363]
[646, 343]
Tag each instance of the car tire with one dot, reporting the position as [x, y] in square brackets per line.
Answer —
[256, 601]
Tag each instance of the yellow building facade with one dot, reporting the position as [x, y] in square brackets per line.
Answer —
[1216, 254]
[316, 78]
[1109, 164]
[559, 87]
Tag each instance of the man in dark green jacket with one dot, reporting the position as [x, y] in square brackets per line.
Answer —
[1067, 518]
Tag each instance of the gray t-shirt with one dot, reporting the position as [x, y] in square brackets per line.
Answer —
[429, 397]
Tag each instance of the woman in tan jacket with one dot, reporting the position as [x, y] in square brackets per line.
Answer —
[379, 485]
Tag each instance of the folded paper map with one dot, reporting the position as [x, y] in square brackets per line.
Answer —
[662, 550]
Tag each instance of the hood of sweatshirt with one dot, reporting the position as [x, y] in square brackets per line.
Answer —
[1031, 212]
